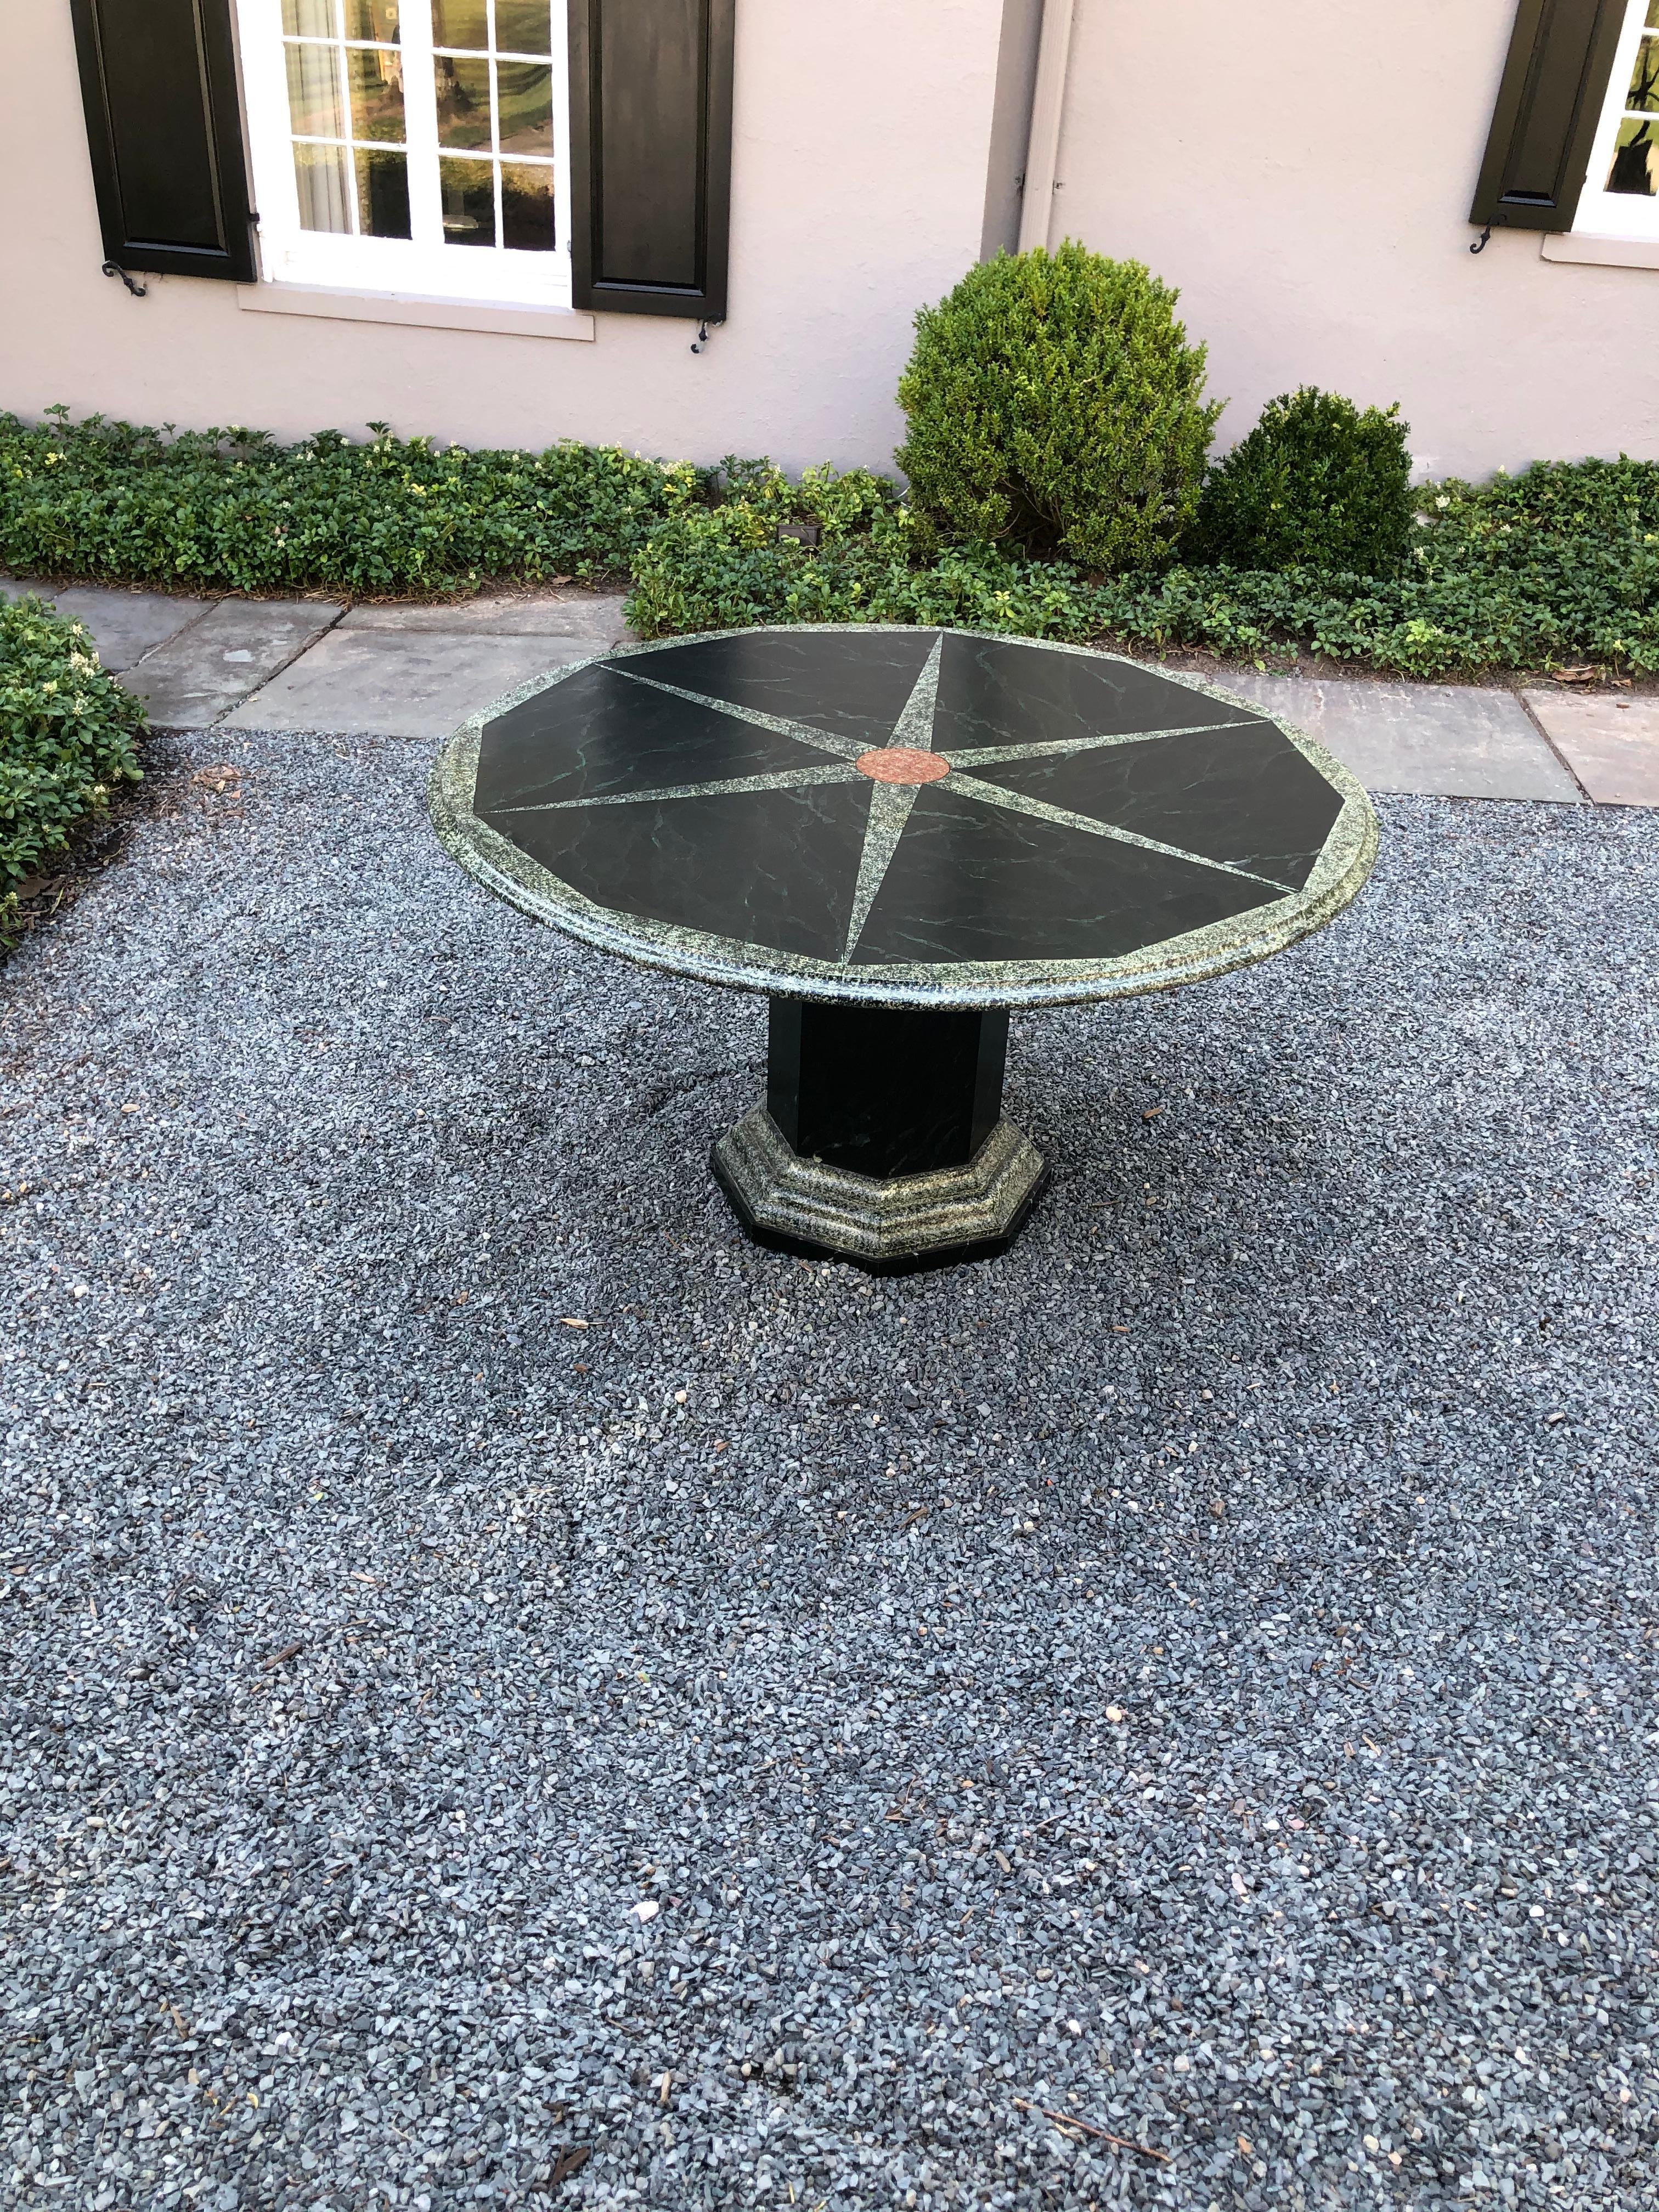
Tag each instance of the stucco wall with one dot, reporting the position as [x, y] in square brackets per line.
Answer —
[1303, 172]
[861, 134]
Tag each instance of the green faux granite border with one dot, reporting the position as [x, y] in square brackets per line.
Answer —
[1338, 875]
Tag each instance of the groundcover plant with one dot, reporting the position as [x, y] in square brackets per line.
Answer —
[1560, 564]
[68, 740]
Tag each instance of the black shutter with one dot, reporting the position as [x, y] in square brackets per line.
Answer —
[158, 78]
[650, 154]
[1548, 105]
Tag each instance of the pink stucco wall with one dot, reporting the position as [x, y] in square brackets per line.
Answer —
[1301, 170]
[861, 134]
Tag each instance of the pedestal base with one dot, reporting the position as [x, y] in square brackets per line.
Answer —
[892, 1225]
[882, 1140]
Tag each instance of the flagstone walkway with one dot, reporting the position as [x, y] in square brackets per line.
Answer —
[416, 671]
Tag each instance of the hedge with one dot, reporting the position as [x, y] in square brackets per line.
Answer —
[1555, 565]
[232, 511]
[68, 740]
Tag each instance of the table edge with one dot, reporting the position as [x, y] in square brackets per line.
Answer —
[501, 867]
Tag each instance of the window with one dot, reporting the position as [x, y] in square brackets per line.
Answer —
[417, 146]
[1620, 198]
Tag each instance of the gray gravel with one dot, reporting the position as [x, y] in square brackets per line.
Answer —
[780, 1737]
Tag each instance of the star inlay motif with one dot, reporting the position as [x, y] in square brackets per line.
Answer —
[895, 772]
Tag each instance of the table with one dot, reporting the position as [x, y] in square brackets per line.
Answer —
[899, 835]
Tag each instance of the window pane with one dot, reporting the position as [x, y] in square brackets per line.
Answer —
[527, 207]
[1634, 169]
[522, 26]
[377, 93]
[372, 19]
[383, 195]
[525, 90]
[313, 96]
[469, 198]
[308, 19]
[460, 23]
[1644, 78]
[319, 172]
[463, 102]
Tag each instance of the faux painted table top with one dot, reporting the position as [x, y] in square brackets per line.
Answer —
[901, 816]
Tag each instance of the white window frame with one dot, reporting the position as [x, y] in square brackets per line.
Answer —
[1602, 214]
[422, 266]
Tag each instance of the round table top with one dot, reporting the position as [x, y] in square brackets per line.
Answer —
[905, 817]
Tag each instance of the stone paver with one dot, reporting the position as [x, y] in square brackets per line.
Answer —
[414, 672]
[199, 675]
[402, 683]
[125, 625]
[1613, 744]
[1454, 740]
[595, 614]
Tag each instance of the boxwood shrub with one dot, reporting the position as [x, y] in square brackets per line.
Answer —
[1316, 484]
[69, 739]
[1054, 405]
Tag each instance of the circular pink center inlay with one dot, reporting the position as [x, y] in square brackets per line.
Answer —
[902, 765]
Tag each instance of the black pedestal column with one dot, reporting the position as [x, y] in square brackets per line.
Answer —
[884, 1091]
[882, 1139]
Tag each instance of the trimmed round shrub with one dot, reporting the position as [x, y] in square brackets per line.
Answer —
[1316, 484]
[1054, 402]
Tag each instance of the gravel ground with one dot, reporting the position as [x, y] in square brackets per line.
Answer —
[509, 1689]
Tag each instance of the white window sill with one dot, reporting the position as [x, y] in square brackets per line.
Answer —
[426, 315]
[1603, 252]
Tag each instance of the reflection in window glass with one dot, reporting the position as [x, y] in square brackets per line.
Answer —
[463, 100]
[464, 23]
[481, 171]
[382, 193]
[376, 74]
[1634, 171]
[374, 20]
[523, 27]
[353, 97]
[469, 201]
[1644, 95]
[525, 104]
[497, 107]
[527, 206]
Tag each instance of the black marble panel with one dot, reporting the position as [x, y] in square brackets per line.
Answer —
[883, 1092]
[599, 734]
[995, 691]
[770, 868]
[854, 684]
[964, 877]
[975, 882]
[1242, 794]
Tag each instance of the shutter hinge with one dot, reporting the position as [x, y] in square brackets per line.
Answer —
[138, 291]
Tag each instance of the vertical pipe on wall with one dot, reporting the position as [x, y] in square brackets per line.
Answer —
[1011, 127]
[1048, 105]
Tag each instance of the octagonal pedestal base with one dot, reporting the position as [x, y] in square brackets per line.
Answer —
[892, 1225]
